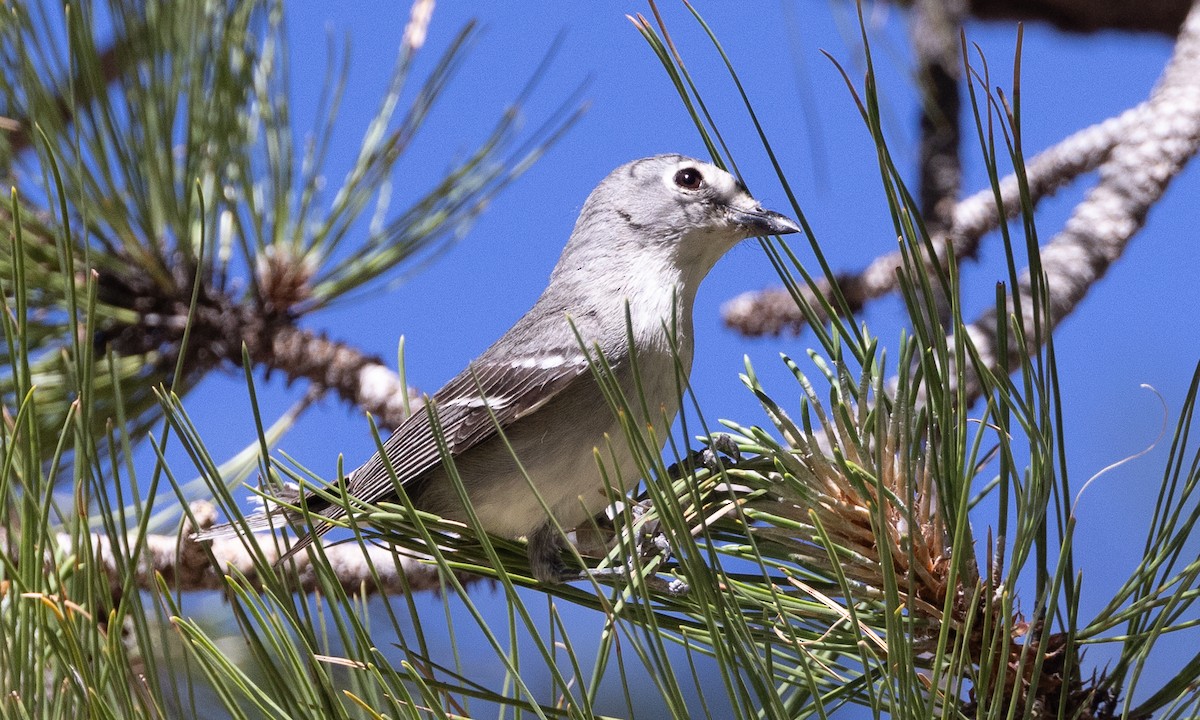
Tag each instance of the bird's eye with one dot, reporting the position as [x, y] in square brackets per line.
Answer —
[689, 179]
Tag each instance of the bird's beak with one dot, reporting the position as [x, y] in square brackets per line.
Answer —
[761, 222]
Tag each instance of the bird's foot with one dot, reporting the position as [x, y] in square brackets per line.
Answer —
[622, 573]
[545, 546]
[652, 545]
[708, 457]
[724, 444]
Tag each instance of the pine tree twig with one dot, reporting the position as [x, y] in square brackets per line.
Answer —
[774, 311]
[267, 324]
[1132, 179]
[187, 565]
[1161, 16]
[936, 29]
[271, 334]
[361, 380]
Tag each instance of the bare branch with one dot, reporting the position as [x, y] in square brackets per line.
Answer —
[936, 29]
[773, 311]
[1161, 16]
[186, 565]
[1137, 153]
[1138, 170]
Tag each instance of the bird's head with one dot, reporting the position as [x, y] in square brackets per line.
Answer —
[676, 207]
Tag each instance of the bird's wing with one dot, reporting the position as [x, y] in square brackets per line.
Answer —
[469, 409]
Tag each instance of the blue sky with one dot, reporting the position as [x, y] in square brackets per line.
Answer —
[1137, 327]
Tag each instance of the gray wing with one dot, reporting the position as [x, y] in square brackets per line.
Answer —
[487, 395]
[468, 410]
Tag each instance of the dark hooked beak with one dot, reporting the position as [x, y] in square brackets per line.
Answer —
[764, 222]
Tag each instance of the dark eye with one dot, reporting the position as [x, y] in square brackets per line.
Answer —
[689, 179]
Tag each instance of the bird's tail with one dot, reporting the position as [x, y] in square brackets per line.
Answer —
[268, 516]
[303, 541]
[271, 516]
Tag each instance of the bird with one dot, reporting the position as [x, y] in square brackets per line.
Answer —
[530, 410]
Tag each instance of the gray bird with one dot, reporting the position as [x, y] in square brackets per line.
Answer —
[645, 239]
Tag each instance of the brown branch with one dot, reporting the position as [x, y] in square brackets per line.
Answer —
[264, 321]
[269, 332]
[268, 328]
[936, 27]
[1160, 16]
[360, 379]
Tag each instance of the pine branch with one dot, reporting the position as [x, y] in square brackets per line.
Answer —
[1132, 179]
[266, 324]
[774, 311]
[165, 204]
[936, 28]
[362, 380]
[186, 565]
[1161, 16]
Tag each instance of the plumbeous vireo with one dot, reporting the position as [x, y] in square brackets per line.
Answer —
[645, 238]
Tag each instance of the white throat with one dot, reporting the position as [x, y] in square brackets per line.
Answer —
[660, 306]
